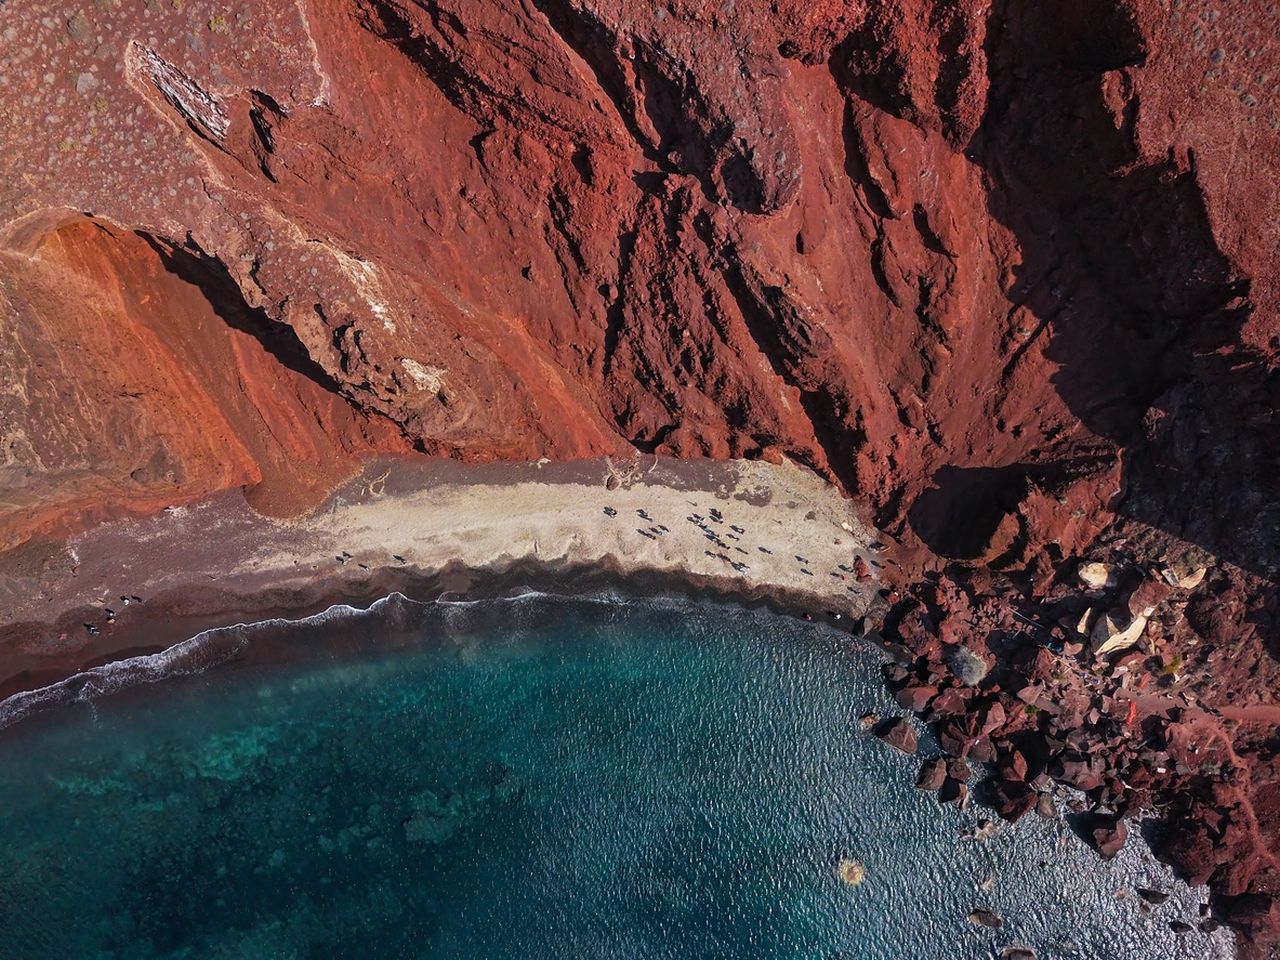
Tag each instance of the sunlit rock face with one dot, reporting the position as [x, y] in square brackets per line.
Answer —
[898, 243]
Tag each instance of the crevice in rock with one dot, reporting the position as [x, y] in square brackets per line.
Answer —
[615, 314]
[213, 279]
[761, 309]
[593, 45]
[857, 170]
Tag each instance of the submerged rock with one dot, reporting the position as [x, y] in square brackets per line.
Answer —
[1046, 807]
[982, 917]
[985, 830]
[851, 872]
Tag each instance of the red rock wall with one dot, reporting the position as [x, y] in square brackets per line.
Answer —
[127, 392]
[984, 265]
[1004, 271]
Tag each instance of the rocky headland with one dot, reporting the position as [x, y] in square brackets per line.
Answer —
[1001, 274]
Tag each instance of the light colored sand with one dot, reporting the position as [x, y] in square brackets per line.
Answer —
[490, 525]
[434, 515]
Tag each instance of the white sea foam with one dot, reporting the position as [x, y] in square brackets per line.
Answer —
[191, 656]
[218, 645]
[198, 653]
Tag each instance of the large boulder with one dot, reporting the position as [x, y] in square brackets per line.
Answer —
[1045, 807]
[982, 917]
[982, 750]
[993, 718]
[1075, 771]
[932, 774]
[1105, 833]
[899, 734]
[949, 703]
[1012, 799]
[968, 666]
[1012, 763]
[916, 698]
[957, 735]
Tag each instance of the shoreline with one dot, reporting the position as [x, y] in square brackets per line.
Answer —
[396, 623]
[433, 530]
[397, 629]
[396, 620]
[218, 563]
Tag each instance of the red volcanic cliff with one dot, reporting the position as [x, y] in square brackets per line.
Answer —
[1005, 272]
[901, 243]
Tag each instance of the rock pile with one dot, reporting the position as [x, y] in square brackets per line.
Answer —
[1083, 688]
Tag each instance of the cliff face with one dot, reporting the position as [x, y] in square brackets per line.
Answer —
[955, 256]
[1003, 271]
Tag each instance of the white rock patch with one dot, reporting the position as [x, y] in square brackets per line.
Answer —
[430, 379]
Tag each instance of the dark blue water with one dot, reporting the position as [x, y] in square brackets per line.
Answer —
[539, 778]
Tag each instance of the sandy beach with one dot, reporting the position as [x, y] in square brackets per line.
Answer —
[748, 530]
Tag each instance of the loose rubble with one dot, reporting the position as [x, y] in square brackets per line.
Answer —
[1084, 687]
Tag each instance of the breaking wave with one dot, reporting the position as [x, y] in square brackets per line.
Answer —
[220, 645]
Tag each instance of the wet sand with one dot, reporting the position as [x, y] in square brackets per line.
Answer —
[461, 531]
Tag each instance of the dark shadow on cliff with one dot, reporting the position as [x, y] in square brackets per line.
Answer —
[1143, 311]
[213, 279]
[960, 513]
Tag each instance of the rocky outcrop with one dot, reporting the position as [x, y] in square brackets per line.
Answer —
[1169, 728]
[1004, 272]
[954, 257]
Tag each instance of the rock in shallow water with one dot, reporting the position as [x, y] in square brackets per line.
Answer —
[851, 872]
[982, 917]
[932, 774]
[633, 765]
[1046, 807]
[1011, 798]
[899, 734]
[1153, 897]
[1107, 834]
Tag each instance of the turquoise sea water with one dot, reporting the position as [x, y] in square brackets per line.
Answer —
[533, 778]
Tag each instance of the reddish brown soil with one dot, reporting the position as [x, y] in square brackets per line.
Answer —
[1003, 271]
